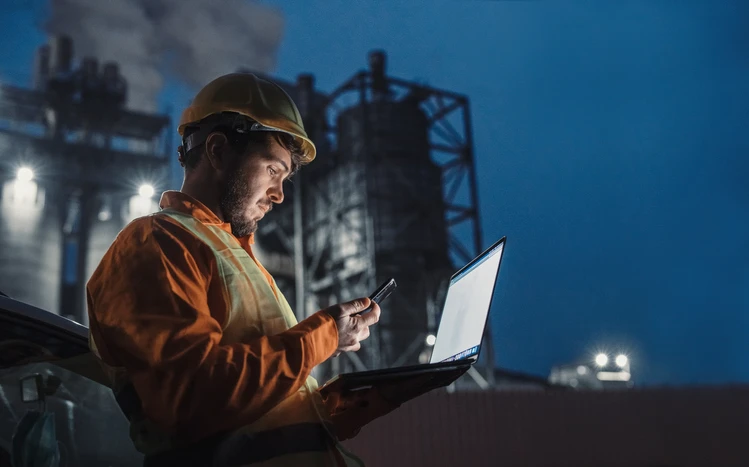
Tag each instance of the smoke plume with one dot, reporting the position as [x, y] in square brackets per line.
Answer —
[192, 40]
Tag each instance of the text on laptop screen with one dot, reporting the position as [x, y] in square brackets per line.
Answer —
[466, 308]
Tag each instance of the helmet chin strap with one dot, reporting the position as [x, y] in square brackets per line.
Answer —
[189, 143]
[181, 156]
[196, 139]
[192, 141]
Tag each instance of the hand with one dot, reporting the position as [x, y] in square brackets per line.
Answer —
[352, 328]
[351, 411]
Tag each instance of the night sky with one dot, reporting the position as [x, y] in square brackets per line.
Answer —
[612, 144]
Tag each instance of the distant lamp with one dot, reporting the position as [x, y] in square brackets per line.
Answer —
[141, 204]
[24, 192]
[24, 174]
[602, 359]
[431, 339]
[621, 361]
[105, 214]
[146, 191]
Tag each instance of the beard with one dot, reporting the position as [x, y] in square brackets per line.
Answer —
[234, 203]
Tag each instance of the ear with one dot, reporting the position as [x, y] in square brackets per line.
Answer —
[216, 150]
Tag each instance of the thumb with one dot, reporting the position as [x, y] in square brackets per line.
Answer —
[355, 306]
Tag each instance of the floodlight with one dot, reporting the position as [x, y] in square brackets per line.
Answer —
[621, 360]
[146, 191]
[25, 174]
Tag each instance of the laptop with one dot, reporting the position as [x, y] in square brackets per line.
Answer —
[461, 328]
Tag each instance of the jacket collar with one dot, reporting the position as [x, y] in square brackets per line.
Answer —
[186, 204]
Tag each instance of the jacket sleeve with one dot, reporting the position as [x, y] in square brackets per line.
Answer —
[149, 313]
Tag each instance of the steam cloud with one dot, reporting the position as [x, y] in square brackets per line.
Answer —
[195, 40]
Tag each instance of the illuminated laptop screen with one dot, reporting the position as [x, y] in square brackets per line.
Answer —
[466, 308]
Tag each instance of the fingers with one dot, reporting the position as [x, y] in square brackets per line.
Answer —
[354, 306]
[349, 348]
[353, 327]
[371, 317]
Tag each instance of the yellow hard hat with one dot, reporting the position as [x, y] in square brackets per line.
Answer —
[258, 99]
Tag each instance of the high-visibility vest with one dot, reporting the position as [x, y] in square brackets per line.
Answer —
[294, 431]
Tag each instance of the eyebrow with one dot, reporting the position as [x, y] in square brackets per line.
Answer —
[279, 160]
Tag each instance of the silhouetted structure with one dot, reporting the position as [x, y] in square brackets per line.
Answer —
[392, 192]
[72, 160]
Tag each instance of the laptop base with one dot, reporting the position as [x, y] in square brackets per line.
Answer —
[444, 373]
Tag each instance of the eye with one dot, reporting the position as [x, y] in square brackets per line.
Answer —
[272, 171]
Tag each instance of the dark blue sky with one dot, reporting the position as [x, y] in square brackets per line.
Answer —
[612, 143]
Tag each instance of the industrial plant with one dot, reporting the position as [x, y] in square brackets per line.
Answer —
[392, 194]
[73, 170]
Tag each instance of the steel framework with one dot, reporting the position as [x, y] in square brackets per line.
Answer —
[86, 152]
[342, 188]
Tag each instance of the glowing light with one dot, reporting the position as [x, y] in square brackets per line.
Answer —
[24, 190]
[431, 339]
[146, 191]
[621, 361]
[25, 174]
[23, 201]
[581, 370]
[602, 359]
[613, 376]
[139, 206]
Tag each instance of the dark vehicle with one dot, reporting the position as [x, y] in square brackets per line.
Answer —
[46, 367]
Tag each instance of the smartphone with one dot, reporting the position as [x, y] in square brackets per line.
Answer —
[382, 292]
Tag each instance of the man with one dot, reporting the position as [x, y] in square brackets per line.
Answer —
[204, 353]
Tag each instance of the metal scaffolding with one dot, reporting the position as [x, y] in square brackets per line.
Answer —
[369, 205]
[88, 155]
[392, 194]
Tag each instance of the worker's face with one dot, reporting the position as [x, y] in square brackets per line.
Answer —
[253, 184]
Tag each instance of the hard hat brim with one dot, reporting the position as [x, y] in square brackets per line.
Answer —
[259, 100]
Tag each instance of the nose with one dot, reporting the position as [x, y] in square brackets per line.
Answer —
[275, 193]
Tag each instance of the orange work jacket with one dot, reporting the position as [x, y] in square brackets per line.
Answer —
[198, 340]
